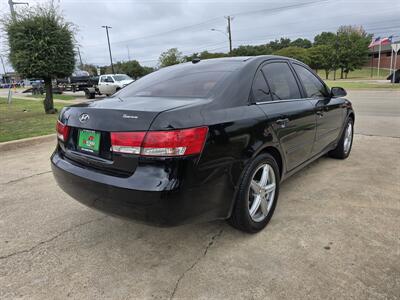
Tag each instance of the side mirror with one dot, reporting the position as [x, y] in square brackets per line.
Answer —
[338, 92]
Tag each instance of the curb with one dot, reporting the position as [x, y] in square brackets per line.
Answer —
[12, 145]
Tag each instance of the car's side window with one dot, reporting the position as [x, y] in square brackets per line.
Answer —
[260, 89]
[281, 81]
[313, 87]
[103, 79]
[110, 79]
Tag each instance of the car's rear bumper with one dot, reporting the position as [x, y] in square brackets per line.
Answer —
[153, 199]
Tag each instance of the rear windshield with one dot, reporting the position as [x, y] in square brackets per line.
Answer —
[175, 83]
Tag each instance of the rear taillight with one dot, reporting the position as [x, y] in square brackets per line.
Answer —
[62, 131]
[160, 143]
[127, 142]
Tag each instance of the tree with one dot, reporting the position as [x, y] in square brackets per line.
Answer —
[279, 44]
[301, 43]
[91, 69]
[325, 38]
[352, 48]
[249, 50]
[204, 55]
[170, 57]
[131, 68]
[296, 53]
[41, 46]
[322, 57]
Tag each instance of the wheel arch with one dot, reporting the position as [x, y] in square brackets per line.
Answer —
[276, 154]
[352, 115]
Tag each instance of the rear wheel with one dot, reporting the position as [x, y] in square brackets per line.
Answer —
[343, 148]
[257, 195]
[89, 95]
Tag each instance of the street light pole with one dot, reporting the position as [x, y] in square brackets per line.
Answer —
[109, 47]
[228, 32]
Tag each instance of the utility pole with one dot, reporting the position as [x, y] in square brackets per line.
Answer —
[11, 3]
[109, 47]
[80, 58]
[229, 18]
[129, 55]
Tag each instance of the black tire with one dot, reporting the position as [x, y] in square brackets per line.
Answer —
[240, 217]
[89, 95]
[340, 152]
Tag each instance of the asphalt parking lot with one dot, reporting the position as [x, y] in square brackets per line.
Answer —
[335, 233]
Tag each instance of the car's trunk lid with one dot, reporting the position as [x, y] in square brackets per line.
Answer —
[112, 115]
[115, 114]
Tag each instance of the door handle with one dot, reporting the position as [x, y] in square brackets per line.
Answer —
[282, 122]
[320, 113]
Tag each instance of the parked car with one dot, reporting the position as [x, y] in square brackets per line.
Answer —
[201, 141]
[107, 85]
[394, 77]
[111, 83]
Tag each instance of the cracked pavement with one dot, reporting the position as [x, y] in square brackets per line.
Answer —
[335, 233]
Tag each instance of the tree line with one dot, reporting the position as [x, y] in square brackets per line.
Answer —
[344, 50]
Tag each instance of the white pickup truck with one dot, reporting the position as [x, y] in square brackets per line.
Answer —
[108, 84]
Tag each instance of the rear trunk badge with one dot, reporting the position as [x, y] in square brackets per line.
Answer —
[83, 118]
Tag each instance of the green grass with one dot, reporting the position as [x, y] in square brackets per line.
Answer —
[364, 73]
[25, 118]
[56, 97]
[361, 85]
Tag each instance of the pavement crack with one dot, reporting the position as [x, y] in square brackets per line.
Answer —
[210, 243]
[377, 135]
[51, 239]
[26, 177]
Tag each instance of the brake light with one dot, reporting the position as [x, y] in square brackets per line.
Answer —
[62, 131]
[127, 142]
[160, 143]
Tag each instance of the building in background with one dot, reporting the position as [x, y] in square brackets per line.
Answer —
[386, 52]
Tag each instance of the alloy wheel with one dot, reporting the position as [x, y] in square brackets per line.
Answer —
[261, 192]
[348, 138]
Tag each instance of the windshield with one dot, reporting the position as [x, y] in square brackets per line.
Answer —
[121, 77]
[175, 83]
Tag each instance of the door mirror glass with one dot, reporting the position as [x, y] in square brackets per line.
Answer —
[338, 92]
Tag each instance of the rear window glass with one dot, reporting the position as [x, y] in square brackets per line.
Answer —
[171, 83]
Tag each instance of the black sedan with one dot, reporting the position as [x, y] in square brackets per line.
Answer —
[201, 141]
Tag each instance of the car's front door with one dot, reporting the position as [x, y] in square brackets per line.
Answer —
[106, 85]
[291, 116]
[329, 113]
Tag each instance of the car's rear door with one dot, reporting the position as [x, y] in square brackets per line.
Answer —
[328, 111]
[292, 117]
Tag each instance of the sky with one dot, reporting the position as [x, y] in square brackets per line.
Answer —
[141, 29]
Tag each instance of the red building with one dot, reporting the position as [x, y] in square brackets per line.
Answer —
[386, 52]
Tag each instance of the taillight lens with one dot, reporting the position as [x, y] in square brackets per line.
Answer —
[127, 142]
[160, 143]
[62, 131]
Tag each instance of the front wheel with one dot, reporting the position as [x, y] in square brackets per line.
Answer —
[257, 195]
[343, 148]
